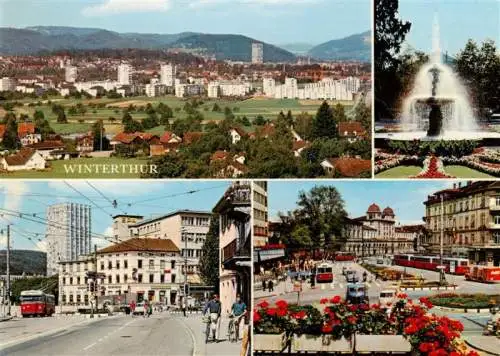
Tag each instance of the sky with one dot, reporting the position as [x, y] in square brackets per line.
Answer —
[458, 20]
[272, 21]
[29, 197]
[404, 197]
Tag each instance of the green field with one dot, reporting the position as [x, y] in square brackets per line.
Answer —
[58, 171]
[455, 171]
[251, 108]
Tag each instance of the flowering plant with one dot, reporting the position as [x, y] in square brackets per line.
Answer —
[271, 320]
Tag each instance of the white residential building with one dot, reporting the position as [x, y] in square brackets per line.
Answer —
[213, 90]
[155, 90]
[326, 89]
[257, 53]
[269, 86]
[24, 160]
[228, 88]
[68, 233]
[167, 74]
[183, 90]
[124, 74]
[260, 213]
[106, 84]
[7, 84]
[70, 74]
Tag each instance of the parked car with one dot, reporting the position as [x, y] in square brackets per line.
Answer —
[351, 277]
[380, 261]
[356, 293]
[139, 308]
[387, 297]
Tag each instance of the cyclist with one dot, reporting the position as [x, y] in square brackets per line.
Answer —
[238, 309]
[214, 308]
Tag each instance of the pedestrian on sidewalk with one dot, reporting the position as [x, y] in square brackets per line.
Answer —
[184, 306]
[132, 308]
[263, 284]
[271, 285]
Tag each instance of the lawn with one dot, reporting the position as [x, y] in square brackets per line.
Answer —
[58, 169]
[251, 108]
[400, 172]
[465, 172]
[455, 171]
[453, 300]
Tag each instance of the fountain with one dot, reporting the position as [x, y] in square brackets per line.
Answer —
[438, 106]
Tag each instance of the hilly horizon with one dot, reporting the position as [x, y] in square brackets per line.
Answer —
[30, 262]
[35, 39]
[354, 47]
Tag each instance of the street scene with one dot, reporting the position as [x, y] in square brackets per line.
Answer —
[104, 268]
[315, 279]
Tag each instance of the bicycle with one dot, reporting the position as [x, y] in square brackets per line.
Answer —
[206, 320]
[231, 329]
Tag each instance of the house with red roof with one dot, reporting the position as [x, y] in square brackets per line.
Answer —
[135, 138]
[25, 159]
[26, 133]
[299, 146]
[352, 131]
[237, 134]
[346, 166]
[85, 144]
[170, 141]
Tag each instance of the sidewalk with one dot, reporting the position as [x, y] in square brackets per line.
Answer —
[223, 347]
[488, 344]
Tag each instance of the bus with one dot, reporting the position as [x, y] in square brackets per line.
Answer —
[324, 272]
[37, 303]
[453, 265]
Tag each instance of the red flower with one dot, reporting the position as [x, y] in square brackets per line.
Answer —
[426, 302]
[352, 320]
[300, 315]
[323, 301]
[335, 299]
[411, 329]
[364, 307]
[281, 312]
[353, 307]
[271, 311]
[375, 306]
[282, 304]
[472, 353]
[263, 304]
[439, 352]
[326, 329]
[454, 353]
[425, 347]
[402, 295]
[256, 317]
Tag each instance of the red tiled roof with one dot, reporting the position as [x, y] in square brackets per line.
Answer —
[374, 208]
[20, 158]
[350, 128]
[124, 137]
[297, 145]
[47, 145]
[142, 244]
[167, 135]
[219, 155]
[24, 128]
[2, 130]
[267, 130]
[352, 167]
[239, 130]
[190, 137]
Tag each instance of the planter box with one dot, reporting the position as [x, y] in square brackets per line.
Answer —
[269, 342]
[321, 343]
[394, 344]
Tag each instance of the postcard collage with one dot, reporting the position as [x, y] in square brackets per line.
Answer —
[249, 177]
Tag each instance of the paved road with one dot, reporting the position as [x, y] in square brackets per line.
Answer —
[158, 335]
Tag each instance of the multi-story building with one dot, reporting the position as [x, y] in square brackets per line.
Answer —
[260, 213]
[124, 74]
[235, 270]
[186, 228]
[153, 90]
[375, 234]
[467, 216]
[183, 90]
[257, 53]
[167, 74]
[269, 86]
[140, 268]
[68, 233]
[8, 84]
[70, 74]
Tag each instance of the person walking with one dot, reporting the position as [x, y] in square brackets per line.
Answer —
[263, 284]
[214, 308]
[132, 308]
[146, 305]
[239, 310]
[271, 285]
[184, 306]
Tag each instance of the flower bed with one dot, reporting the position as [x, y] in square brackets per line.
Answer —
[335, 320]
[387, 274]
[473, 301]
[433, 168]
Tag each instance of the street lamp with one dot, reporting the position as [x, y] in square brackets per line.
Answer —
[442, 276]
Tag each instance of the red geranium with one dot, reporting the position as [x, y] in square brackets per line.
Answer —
[426, 347]
[352, 307]
[411, 329]
[271, 311]
[256, 316]
[281, 312]
[282, 304]
[263, 304]
[300, 315]
[323, 301]
[327, 328]
[336, 299]
[402, 295]
[426, 302]
[352, 320]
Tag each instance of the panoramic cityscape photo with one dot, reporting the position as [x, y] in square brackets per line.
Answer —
[108, 268]
[437, 95]
[349, 267]
[168, 88]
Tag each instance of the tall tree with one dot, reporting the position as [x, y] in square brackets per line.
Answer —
[324, 123]
[322, 210]
[339, 113]
[99, 133]
[209, 260]
[10, 138]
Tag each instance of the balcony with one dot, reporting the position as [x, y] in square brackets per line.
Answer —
[236, 200]
[232, 253]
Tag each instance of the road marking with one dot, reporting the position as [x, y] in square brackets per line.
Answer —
[190, 332]
[88, 347]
